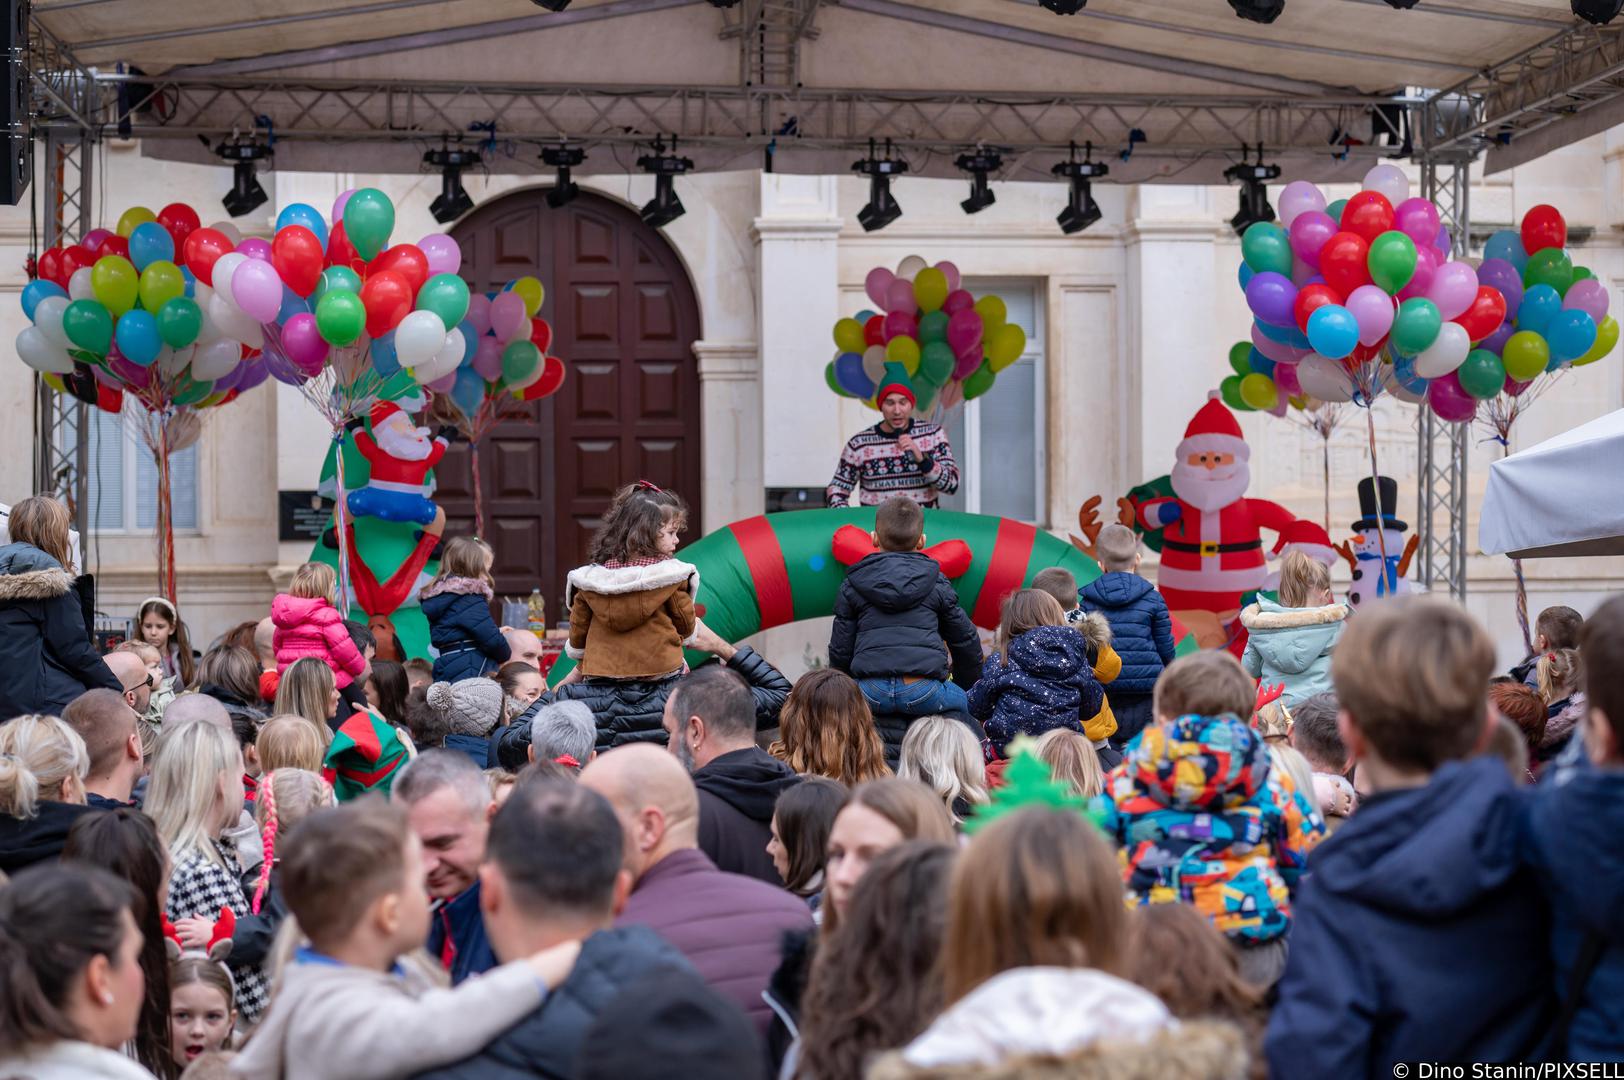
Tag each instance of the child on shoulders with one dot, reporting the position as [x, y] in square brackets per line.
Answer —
[1141, 628]
[1555, 629]
[1039, 676]
[1059, 583]
[308, 623]
[457, 604]
[1289, 643]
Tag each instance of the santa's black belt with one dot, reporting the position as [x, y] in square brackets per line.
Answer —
[1211, 548]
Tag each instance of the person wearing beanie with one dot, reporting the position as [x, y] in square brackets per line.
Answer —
[901, 455]
[471, 708]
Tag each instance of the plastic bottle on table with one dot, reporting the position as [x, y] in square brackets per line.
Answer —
[538, 612]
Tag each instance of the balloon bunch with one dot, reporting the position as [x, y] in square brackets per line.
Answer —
[951, 344]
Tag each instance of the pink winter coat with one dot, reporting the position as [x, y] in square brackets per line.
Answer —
[313, 627]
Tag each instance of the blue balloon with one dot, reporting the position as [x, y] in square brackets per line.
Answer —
[191, 283]
[850, 375]
[1285, 335]
[469, 391]
[1260, 363]
[1570, 333]
[1245, 273]
[1404, 373]
[149, 243]
[1506, 245]
[37, 290]
[470, 342]
[1333, 332]
[303, 214]
[137, 337]
[292, 304]
[383, 355]
[1540, 305]
[865, 315]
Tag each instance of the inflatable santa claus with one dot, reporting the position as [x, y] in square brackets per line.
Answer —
[1212, 550]
[400, 455]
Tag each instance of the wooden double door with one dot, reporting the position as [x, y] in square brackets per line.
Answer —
[624, 321]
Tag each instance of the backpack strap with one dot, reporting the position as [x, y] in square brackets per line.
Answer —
[1584, 966]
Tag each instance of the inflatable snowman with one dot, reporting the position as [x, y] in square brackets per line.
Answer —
[1378, 552]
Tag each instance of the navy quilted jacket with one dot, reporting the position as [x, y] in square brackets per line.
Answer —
[461, 628]
[1046, 682]
[1141, 628]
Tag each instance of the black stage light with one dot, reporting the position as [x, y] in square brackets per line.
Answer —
[453, 201]
[978, 165]
[1081, 210]
[1064, 7]
[1402, 5]
[246, 194]
[563, 158]
[1254, 203]
[881, 209]
[552, 5]
[665, 207]
[723, 3]
[1599, 12]
[1258, 11]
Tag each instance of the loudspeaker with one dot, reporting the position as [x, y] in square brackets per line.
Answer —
[16, 140]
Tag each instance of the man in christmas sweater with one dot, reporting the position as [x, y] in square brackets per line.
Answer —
[400, 455]
[898, 456]
[1212, 552]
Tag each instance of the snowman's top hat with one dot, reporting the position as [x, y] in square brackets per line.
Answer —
[1389, 503]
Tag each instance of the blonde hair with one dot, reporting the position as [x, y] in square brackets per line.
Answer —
[1072, 760]
[306, 689]
[1274, 721]
[1558, 674]
[147, 651]
[45, 523]
[1300, 578]
[942, 754]
[286, 797]
[467, 557]
[315, 581]
[1117, 547]
[826, 729]
[188, 788]
[289, 741]
[502, 783]
[1206, 683]
[38, 756]
[1024, 611]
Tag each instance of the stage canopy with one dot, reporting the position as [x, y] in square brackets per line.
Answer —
[1559, 498]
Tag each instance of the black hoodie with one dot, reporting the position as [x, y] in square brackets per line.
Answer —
[737, 793]
[894, 610]
[26, 841]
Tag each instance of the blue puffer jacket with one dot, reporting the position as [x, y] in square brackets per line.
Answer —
[461, 628]
[1141, 628]
[1046, 683]
[1576, 818]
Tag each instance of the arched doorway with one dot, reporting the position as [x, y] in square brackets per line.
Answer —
[624, 321]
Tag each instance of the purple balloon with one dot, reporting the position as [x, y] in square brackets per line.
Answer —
[1500, 274]
[1271, 297]
[255, 248]
[338, 205]
[1278, 352]
[1587, 295]
[1417, 219]
[444, 384]
[444, 256]
[253, 372]
[479, 313]
[1427, 261]
[1444, 242]
[1496, 342]
[1449, 400]
[1373, 310]
[303, 344]
[487, 360]
[1309, 232]
[134, 375]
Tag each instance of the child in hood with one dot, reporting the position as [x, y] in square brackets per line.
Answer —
[1141, 628]
[457, 604]
[1059, 583]
[308, 624]
[1039, 678]
[1289, 643]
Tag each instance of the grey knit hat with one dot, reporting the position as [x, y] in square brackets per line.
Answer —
[472, 706]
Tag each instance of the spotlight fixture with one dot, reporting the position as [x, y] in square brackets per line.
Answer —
[453, 201]
[978, 165]
[723, 3]
[1598, 12]
[881, 209]
[246, 194]
[1254, 181]
[1081, 210]
[1063, 7]
[552, 5]
[563, 158]
[665, 207]
[1402, 5]
[1258, 11]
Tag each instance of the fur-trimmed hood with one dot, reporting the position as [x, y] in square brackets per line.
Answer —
[1095, 628]
[27, 573]
[459, 586]
[1268, 615]
[620, 580]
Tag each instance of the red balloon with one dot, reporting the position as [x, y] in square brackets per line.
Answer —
[180, 221]
[388, 298]
[1368, 215]
[340, 252]
[1363, 354]
[541, 335]
[552, 377]
[874, 330]
[114, 245]
[1485, 315]
[1543, 227]
[297, 256]
[407, 260]
[109, 398]
[1310, 298]
[49, 266]
[203, 249]
[1344, 258]
[76, 257]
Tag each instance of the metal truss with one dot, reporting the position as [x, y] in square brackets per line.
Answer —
[770, 33]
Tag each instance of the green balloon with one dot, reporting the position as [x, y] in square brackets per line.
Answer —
[369, 218]
[447, 296]
[1266, 246]
[1549, 267]
[834, 384]
[1335, 210]
[338, 277]
[924, 396]
[519, 360]
[1582, 272]
[979, 381]
[190, 391]
[1526, 355]
[179, 322]
[89, 326]
[1240, 357]
[340, 317]
[1392, 261]
[936, 364]
[933, 327]
[1230, 391]
[1481, 374]
[1416, 325]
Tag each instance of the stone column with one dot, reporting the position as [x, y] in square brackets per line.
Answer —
[730, 405]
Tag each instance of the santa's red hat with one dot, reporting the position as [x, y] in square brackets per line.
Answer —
[1214, 429]
[382, 411]
[1308, 538]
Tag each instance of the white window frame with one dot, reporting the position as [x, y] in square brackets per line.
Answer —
[131, 452]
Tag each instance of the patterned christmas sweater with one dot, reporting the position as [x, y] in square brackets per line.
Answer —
[872, 462]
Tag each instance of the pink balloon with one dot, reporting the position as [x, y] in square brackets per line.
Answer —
[1299, 198]
[479, 313]
[1587, 295]
[303, 344]
[1276, 351]
[94, 239]
[899, 297]
[1373, 310]
[1303, 274]
[1417, 219]
[1285, 377]
[444, 256]
[257, 290]
[964, 330]
[1515, 388]
[877, 283]
[1427, 261]
[1454, 287]
[487, 362]
[509, 320]
[338, 205]
[957, 301]
[1449, 400]
[1309, 233]
[901, 323]
[951, 272]
[444, 384]
[134, 375]
[965, 365]
[256, 248]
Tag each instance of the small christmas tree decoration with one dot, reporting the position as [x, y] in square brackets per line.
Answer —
[1028, 782]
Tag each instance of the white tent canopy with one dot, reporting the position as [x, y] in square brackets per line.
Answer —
[1560, 498]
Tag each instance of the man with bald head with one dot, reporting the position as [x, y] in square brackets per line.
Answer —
[134, 680]
[189, 708]
[730, 927]
[107, 723]
[524, 646]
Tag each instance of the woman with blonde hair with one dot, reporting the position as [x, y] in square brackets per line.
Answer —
[308, 689]
[43, 765]
[195, 798]
[291, 742]
[45, 631]
[826, 729]
[1073, 761]
[945, 756]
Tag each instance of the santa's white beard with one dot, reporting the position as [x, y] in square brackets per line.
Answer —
[403, 442]
[1210, 489]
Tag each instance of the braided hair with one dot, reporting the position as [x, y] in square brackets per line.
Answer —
[286, 797]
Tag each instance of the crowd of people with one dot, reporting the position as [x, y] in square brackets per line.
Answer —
[1071, 854]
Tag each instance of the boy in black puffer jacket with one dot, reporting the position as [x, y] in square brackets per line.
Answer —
[895, 609]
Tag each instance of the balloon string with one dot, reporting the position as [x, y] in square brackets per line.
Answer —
[1325, 447]
[479, 489]
[342, 525]
[166, 514]
[1375, 486]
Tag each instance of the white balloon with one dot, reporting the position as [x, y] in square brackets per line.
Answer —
[418, 339]
[449, 358]
[1324, 378]
[215, 360]
[224, 267]
[909, 268]
[173, 361]
[1390, 181]
[79, 287]
[48, 317]
[1445, 354]
[233, 233]
[234, 324]
[39, 352]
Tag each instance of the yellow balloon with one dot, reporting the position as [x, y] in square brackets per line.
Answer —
[133, 217]
[1259, 391]
[993, 313]
[849, 336]
[54, 382]
[113, 281]
[161, 282]
[904, 351]
[1005, 346]
[530, 291]
[1606, 339]
[216, 398]
[930, 289]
